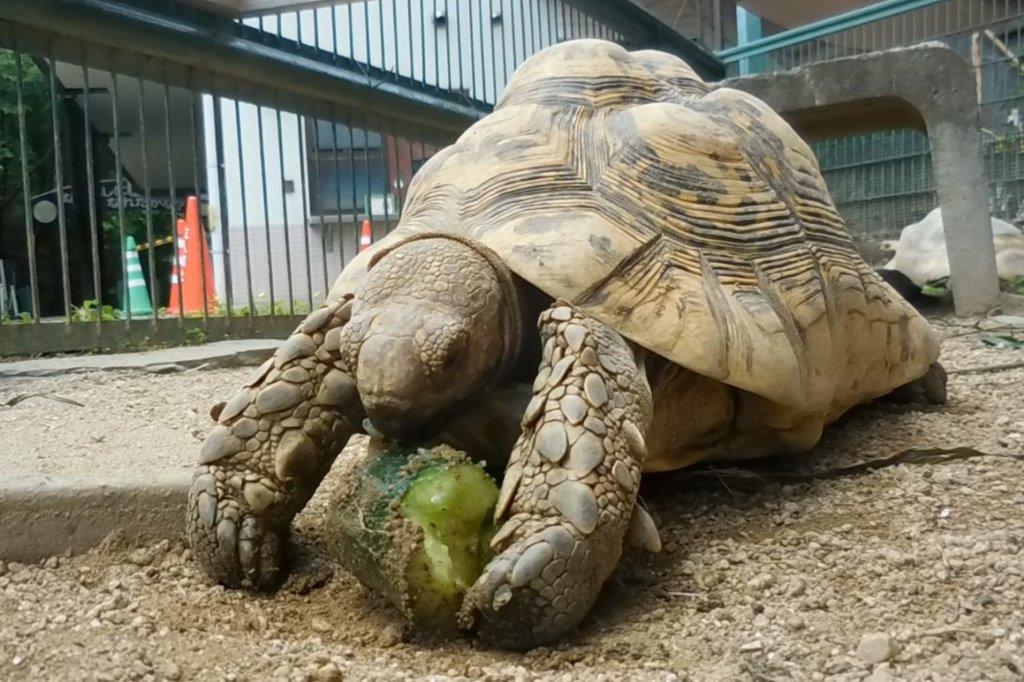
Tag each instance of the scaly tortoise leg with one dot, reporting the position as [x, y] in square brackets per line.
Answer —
[275, 441]
[570, 488]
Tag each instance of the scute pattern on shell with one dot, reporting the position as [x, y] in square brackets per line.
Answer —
[693, 221]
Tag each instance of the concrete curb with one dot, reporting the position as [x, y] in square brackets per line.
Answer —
[50, 519]
[234, 353]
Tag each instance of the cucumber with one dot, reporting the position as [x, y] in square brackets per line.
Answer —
[415, 526]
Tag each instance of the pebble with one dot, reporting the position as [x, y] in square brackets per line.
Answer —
[876, 647]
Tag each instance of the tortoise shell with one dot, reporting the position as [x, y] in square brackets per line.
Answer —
[692, 220]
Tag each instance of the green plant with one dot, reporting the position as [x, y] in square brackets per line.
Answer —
[938, 288]
[91, 311]
[195, 336]
[24, 317]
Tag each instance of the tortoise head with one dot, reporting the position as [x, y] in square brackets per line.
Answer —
[434, 323]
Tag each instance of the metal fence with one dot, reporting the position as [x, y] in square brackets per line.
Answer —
[290, 130]
[883, 181]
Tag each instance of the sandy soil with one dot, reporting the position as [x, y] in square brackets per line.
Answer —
[913, 571]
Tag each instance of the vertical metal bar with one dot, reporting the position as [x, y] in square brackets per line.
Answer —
[385, 166]
[369, 188]
[494, 54]
[522, 32]
[266, 206]
[174, 201]
[472, 55]
[504, 48]
[533, 27]
[337, 191]
[147, 194]
[58, 179]
[412, 44]
[119, 181]
[423, 40]
[366, 31]
[284, 211]
[218, 141]
[196, 188]
[394, 26]
[316, 28]
[448, 43]
[305, 208]
[352, 166]
[351, 33]
[317, 182]
[334, 32]
[458, 43]
[90, 181]
[380, 27]
[245, 207]
[437, 57]
[30, 233]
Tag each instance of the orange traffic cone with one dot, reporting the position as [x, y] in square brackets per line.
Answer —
[188, 271]
[365, 236]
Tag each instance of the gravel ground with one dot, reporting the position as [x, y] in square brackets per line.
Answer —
[913, 571]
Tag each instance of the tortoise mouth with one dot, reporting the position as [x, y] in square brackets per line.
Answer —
[395, 418]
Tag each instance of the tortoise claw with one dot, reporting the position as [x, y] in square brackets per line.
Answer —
[233, 546]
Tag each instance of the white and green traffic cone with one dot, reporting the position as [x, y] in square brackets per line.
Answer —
[137, 293]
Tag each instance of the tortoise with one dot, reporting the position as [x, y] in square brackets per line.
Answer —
[696, 295]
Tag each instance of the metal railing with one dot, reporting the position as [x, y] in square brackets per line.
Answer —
[290, 130]
[884, 181]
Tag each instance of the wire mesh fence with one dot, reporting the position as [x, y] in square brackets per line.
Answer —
[142, 200]
[883, 181]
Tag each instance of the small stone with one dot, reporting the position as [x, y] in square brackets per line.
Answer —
[876, 647]
[755, 645]
[390, 636]
[51, 562]
[141, 557]
[320, 625]
[169, 671]
[328, 672]
[278, 396]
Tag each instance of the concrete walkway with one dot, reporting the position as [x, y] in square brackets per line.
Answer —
[85, 452]
[234, 353]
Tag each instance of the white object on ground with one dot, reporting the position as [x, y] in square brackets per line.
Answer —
[921, 250]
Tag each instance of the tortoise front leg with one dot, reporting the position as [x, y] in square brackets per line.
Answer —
[275, 441]
[570, 487]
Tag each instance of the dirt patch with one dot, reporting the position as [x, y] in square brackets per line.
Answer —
[909, 572]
